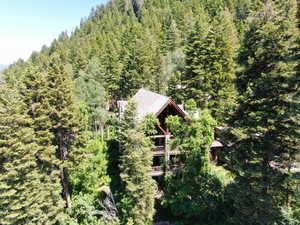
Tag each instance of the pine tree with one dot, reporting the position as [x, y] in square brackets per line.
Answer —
[113, 69]
[131, 78]
[35, 94]
[210, 65]
[63, 115]
[23, 191]
[47, 93]
[92, 95]
[266, 124]
[136, 161]
[175, 87]
[149, 60]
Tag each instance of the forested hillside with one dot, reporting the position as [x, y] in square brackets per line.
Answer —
[66, 158]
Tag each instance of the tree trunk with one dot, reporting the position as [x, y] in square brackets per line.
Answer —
[63, 150]
[65, 183]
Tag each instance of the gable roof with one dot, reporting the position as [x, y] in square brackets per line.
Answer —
[149, 102]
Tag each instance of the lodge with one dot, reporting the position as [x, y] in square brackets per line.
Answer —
[164, 159]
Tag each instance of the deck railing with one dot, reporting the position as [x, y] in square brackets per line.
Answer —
[160, 170]
[158, 148]
[157, 168]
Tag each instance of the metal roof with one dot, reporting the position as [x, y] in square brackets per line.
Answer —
[149, 102]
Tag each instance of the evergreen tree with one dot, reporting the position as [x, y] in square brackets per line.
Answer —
[266, 124]
[24, 192]
[49, 99]
[130, 79]
[35, 95]
[136, 161]
[113, 69]
[210, 65]
[63, 115]
[90, 92]
[175, 89]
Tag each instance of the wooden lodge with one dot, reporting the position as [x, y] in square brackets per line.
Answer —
[162, 107]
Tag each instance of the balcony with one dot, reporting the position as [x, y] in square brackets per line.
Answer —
[158, 150]
[160, 170]
[156, 171]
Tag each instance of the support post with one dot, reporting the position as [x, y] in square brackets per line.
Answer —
[167, 150]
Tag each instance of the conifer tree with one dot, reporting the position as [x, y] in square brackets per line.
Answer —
[91, 94]
[131, 78]
[35, 94]
[210, 65]
[136, 161]
[266, 124]
[113, 69]
[175, 87]
[25, 193]
[63, 115]
[49, 99]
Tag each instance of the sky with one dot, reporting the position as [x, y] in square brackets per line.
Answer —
[27, 25]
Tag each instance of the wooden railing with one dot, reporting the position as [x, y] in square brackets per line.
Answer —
[158, 148]
[156, 171]
[159, 136]
[157, 168]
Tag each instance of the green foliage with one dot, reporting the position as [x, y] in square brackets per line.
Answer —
[144, 51]
[47, 94]
[82, 211]
[39, 106]
[139, 188]
[190, 105]
[188, 50]
[130, 120]
[296, 207]
[175, 87]
[90, 173]
[197, 192]
[210, 65]
[266, 125]
[88, 178]
[24, 195]
[92, 94]
[149, 124]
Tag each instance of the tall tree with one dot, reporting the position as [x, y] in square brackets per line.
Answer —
[267, 123]
[35, 94]
[63, 116]
[136, 161]
[25, 193]
[210, 65]
[49, 99]
[90, 93]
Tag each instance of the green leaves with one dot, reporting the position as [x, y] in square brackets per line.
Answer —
[197, 191]
[91, 173]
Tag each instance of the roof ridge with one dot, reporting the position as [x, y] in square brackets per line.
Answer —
[152, 92]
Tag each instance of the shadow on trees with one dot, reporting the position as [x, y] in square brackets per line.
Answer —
[113, 169]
